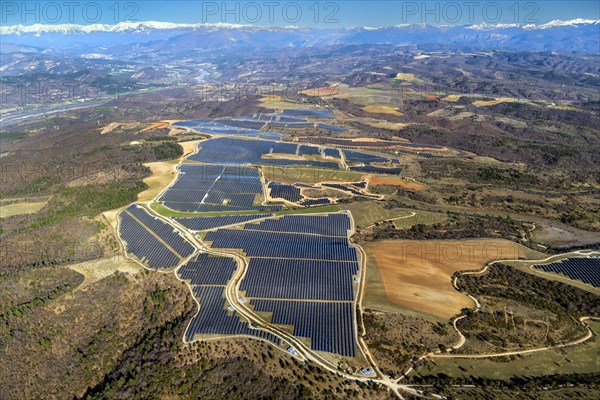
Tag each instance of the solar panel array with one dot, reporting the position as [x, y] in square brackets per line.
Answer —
[365, 143]
[230, 127]
[283, 245]
[332, 153]
[301, 270]
[307, 112]
[205, 223]
[343, 187]
[205, 269]
[215, 188]
[315, 202]
[417, 153]
[310, 150]
[299, 279]
[205, 207]
[151, 240]
[283, 191]
[226, 150]
[355, 156]
[209, 275]
[377, 170]
[586, 270]
[326, 225]
[330, 326]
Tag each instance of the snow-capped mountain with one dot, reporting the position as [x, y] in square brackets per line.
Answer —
[578, 35]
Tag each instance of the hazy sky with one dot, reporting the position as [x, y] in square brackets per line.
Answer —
[299, 12]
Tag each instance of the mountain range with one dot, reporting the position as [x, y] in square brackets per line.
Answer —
[580, 35]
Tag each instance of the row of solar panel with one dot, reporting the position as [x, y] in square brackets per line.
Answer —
[416, 153]
[213, 318]
[199, 185]
[330, 326]
[163, 230]
[283, 245]
[335, 224]
[205, 223]
[212, 197]
[144, 246]
[377, 170]
[283, 191]
[307, 150]
[203, 207]
[363, 143]
[224, 171]
[315, 202]
[208, 270]
[273, 278]
[354, 156]
[586, 270]
[238, 151]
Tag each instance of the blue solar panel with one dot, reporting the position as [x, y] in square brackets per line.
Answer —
[204, 223]
[330, 326]
[307, 112]
[208, 270]
[283, 245]
[377, 170]
[283, 191]
[329, 225]
[332, 153]
[315, 202]
[586, 270]
[239, 151]
[299, 279]
[216, 188]
[151, 240]
[355, 156]
[299, 265]
[204, 207]
[213, 318]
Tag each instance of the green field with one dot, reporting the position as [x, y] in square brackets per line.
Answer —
[582, 358]
[421, 217]
[368, 213]
[9, 210]
[309, 175]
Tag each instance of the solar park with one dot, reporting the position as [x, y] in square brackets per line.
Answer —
[255, 125]
[208, 276]
[151, 240]
[227, 150]
[215, 188]
[301, 271]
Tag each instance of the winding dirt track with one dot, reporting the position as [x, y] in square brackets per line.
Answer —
[462, 340]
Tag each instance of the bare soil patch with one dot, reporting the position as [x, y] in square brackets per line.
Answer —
[417, 274]
[321, 91]
[383, 109]
[380, 180]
